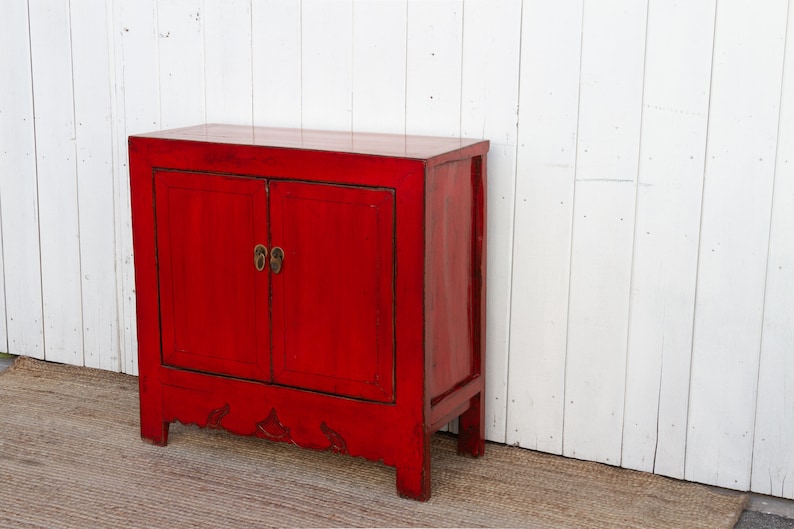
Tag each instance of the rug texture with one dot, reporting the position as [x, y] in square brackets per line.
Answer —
[71, 457]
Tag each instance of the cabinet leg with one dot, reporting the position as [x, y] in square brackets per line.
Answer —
[471, 437]
[153, 428]
[413, 470]
[154, 431]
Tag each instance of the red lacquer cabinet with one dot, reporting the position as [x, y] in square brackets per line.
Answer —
[324, 289]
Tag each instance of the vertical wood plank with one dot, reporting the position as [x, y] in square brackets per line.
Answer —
[490, 70]
[672, 156]
[603, 228]
[547, 131]
[50, 42]
[95, 194]
[773, 447]
[489, 108]
[138, 68]
[327, 64]
[3, 313]
[737, 198]
[433, 76]
[227, 65]
[180, 32]
[276, 56]
[138, 100]
[378, 84]
[18, 188]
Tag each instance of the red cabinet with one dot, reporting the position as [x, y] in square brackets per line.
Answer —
[323, 289]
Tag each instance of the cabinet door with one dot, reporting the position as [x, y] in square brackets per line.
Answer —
[213, 300]
[333, 298]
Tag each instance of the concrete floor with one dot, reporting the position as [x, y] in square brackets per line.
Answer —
[766, 512]
[763, 512]
[758, 520]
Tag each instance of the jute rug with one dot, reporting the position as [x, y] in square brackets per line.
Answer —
[71, 457]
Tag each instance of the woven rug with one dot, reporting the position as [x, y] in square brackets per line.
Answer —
[71, 457]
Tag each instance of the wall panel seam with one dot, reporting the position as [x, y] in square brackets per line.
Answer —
[300, 39]
[156, 37]
[38, 194]
[405, 74]
[119, 101]
[630, 304]
[77, 188]
[204, 54]
[351, 72]
[769, 239]
[573, 227]
[5, 295]
[699, 234]
[462, 64]
[513, 234]
[251, 57]
[114, 164]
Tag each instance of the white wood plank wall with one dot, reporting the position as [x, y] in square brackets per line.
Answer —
[641, 199]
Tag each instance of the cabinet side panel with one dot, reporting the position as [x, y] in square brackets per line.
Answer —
[449, 331]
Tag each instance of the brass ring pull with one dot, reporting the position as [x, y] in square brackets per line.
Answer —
[260, 253]
[276, 258]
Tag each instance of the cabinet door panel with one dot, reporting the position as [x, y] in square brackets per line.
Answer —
[213, 301]
[333, 299]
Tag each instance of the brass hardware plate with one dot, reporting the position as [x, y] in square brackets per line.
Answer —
[260, 254]
[276, 258]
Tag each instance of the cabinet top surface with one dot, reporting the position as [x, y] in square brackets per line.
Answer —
[393, 145]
